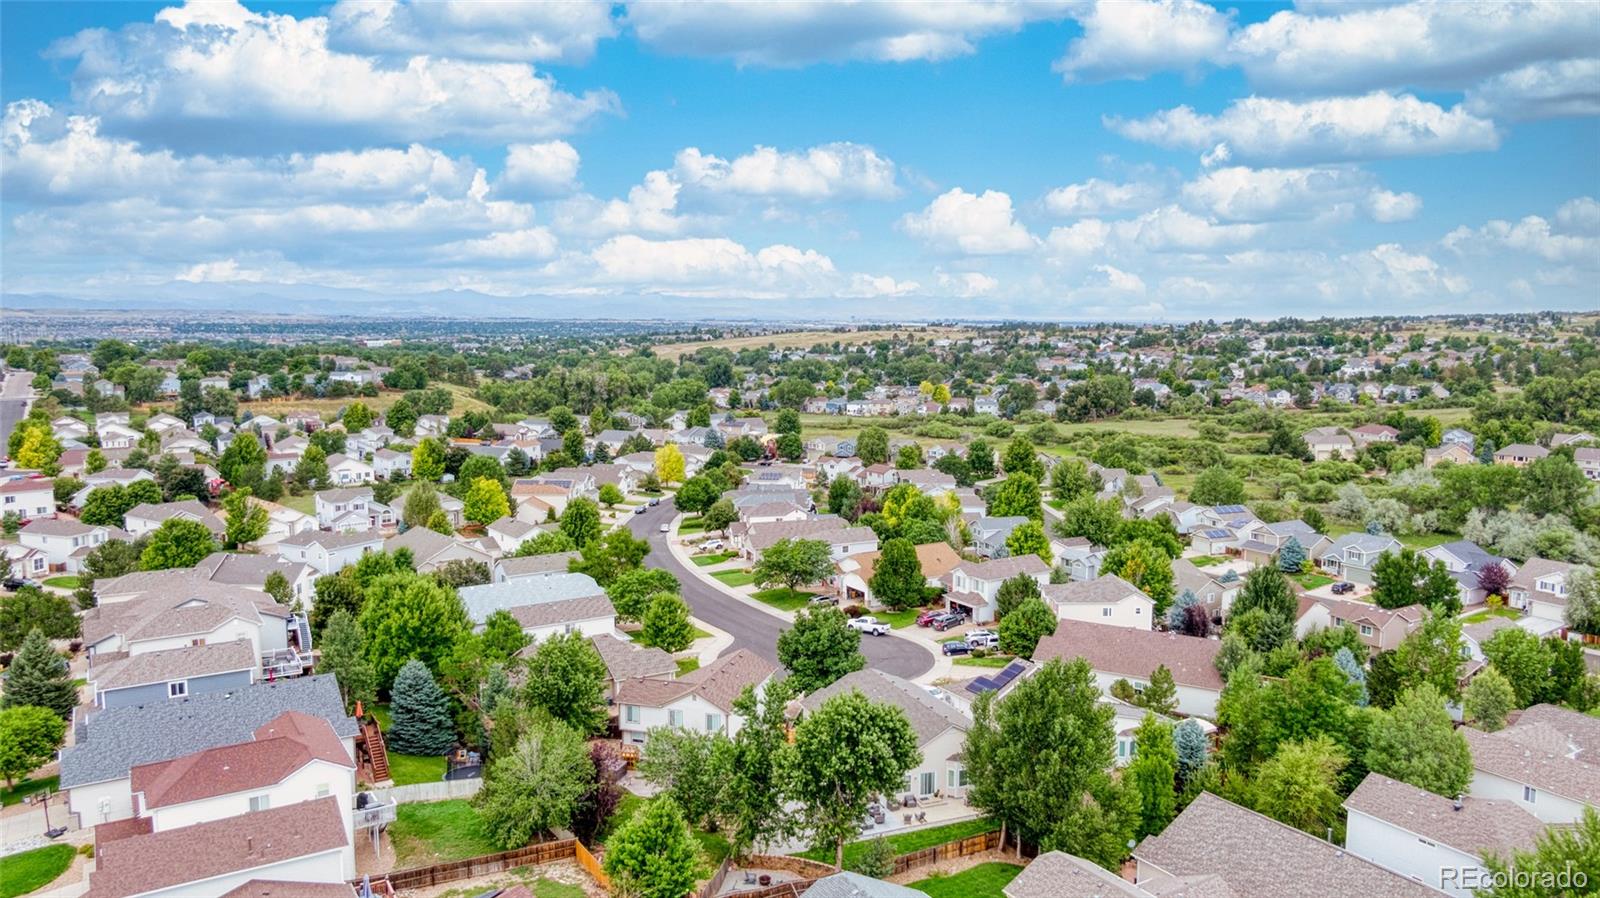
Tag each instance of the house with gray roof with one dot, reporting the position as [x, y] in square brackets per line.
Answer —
[121, 680]
[1544, 763]
[1433, 839]
[329, 553]
[544, 604]
[1352, 556]
[147, 517]
[939, 723]
[109, 743]
[974, 586]
[1056, 874]
[989, 534]
[431, 550]
[699, 700]
[529, 565]
[1466, 561]
[847, 884]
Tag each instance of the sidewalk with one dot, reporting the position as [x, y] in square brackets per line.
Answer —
[707, 650]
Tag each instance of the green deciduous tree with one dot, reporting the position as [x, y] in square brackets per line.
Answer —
[654, 855]
[1148, 568]
[1431, 654]
[247, 521]
[178, 542]
[689, 765]
[1153, 773]
[485, 502]
[1014, 591]
[536, 786]
[872, 445]
[406, 616]
[1300, 785]
[666, 623]
[1018, 494]
[897, 579]
[1521, 658]
[819, 648]
[567, 680]
[669, 464]
[422, 503]
[794, 563]
[420, 712]
[1021, 630]
[427, 459]
[720, 516]
[1569, 855]
[243, 462]
[1021, 457]
[1553, 485]
[631, 592]
[39, 677]
[1406, 578]
[1096, 520]
[697, 494]
[1268, 589]
[29, 737]
[31, 608]
[751, 802]
[1217, 485]
[1161, 696]
[1069, 479]
[1488, 699]
[843, 753]
[342, 652]
[1416, 742]
[580, 521]
[1028, 538]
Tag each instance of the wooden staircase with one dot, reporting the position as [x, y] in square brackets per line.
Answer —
[377, 751]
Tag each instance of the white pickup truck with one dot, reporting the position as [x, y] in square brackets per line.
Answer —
[869, 625]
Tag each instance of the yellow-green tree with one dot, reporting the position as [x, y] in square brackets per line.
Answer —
[485, 502]
[669, 464]
[39, 451]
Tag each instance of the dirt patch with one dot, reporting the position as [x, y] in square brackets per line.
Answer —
[562, 872]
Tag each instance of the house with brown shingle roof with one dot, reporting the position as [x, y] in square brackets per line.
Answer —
[854, 580]
[1107, 599]
[626, 660]
[1540, 588]
[1430, 838]
[187, 611]
[303, 842]
[1218, 848]
[699, 700]
[939, 723]
[974, 585]
[1056, 874]
[1543, 762]
[1382, 629]
[1123, 653]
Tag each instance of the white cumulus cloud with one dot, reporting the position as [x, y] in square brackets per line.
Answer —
[972, 224]
[507, 30]
[1099, 197]
[1136, 38]
[821, 172]
[541, 169]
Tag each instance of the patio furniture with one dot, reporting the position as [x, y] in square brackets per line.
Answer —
[765, 879]
[922, 816]
[907, 818]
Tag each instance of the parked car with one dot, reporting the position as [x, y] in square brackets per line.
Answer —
[639, 510]
[948, 619]
[824, 599]
[956, 648]
[869, 625]
[1341, 588]
[982, 639]
[926, 618]
[713, 546]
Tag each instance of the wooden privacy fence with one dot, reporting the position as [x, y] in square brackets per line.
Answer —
[977, 844]
[592, 864]
[487, 865]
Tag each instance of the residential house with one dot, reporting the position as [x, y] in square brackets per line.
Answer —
[939, 723]
[701, 699]
[1368, 434]
[282, 521]
[329, 553]
[430, 550]
[1467, 561]
[1055, 874]
[847, 884]
[1519, 455]
[346, 470]
[1455, 453]
[1107, 599]
[191, 611]
[146, 518]
[843, 540]
[172, 673]
[929, 481]
[1539, 588]
[989, 534]
[117, 436]
[554, 603]
[1077, 556]
[1588, 460]
[577, 483]
[1217, 596]
[512, 568]
[249, 571]
[1382, 629]
[96, 769]
[1460, 437]
[1118, 653]
[108, 477]
[1432, 839]
[509, 534]
[626, 660]
[1557, 440]
[28, 497]
[65, 541]
[1329, 443]
[974, 586]
[1542, 763]
[854, 582]
[389, 464]
[1352, 556]
[1218, 848]
[22, 562]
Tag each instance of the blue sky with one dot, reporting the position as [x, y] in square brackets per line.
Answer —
[1155, 159]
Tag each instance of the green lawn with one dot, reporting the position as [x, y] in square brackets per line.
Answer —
[438, 831]
[1206, 560]
[905, 842]
[692, 525]
[1311, 581]
[1481, 616]
[30, 870]
[783, 598]
[67, 582]
[991, 661]
[541, 888]
[1426, 540]
[735, 578]
[701, 634]
[14, 794]
[982, 881]
[714, 558]
[685, 665]
[897, 619]
[306, 504]
[408, 769]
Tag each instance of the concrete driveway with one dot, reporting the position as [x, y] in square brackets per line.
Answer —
[752, 628]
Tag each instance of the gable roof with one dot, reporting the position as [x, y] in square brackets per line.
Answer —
[1056, 874]
[1478, 826]
[538, 600]
[1004, 568]
[1537, 754]
[935, 560]
[719, 682]
[1131, 652]
[847, 884]
[111, 742]
[159, 860]
[1104, 589]
[189, 606]
[174, 664]
[626, 659]
[276, 749]
[524, 565]
[333, 541]
[929, 716]
[1257, 857]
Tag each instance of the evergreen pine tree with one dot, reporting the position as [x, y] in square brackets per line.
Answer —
[1292, 557]
[1190, 742]
[1161, 696]
[421, 714]
[38, 676]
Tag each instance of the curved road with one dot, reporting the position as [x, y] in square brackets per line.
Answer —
[753, 629]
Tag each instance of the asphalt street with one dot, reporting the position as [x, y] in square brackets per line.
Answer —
[751, 628]
[16, 397]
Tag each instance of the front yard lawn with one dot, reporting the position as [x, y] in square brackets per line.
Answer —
[783, 598]
[1312, 581]
[1481, 616]
[905, 842]
[982, 881]
[435, 832]
[897, 619]
[29, 870]
[714, 558]
[692, 525]
[735, 578]
[68, 582]
[991, 661]
[13, 794]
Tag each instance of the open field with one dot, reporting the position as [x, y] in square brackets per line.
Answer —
[464, 402]
[806, 339]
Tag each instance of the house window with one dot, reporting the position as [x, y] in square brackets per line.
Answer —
[956, 778]
[178, 689]
[630, 713]
[929, 783]
[713, 723]
[1530, 794]
[260, 802]
[1106, 611]
[675, 718]
[323, 790]
[1366, 630]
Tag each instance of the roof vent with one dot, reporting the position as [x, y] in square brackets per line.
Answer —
[1456, 803]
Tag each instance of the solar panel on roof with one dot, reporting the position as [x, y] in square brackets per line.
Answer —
[980, 686]
[1229, 509]
[1007, 675]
